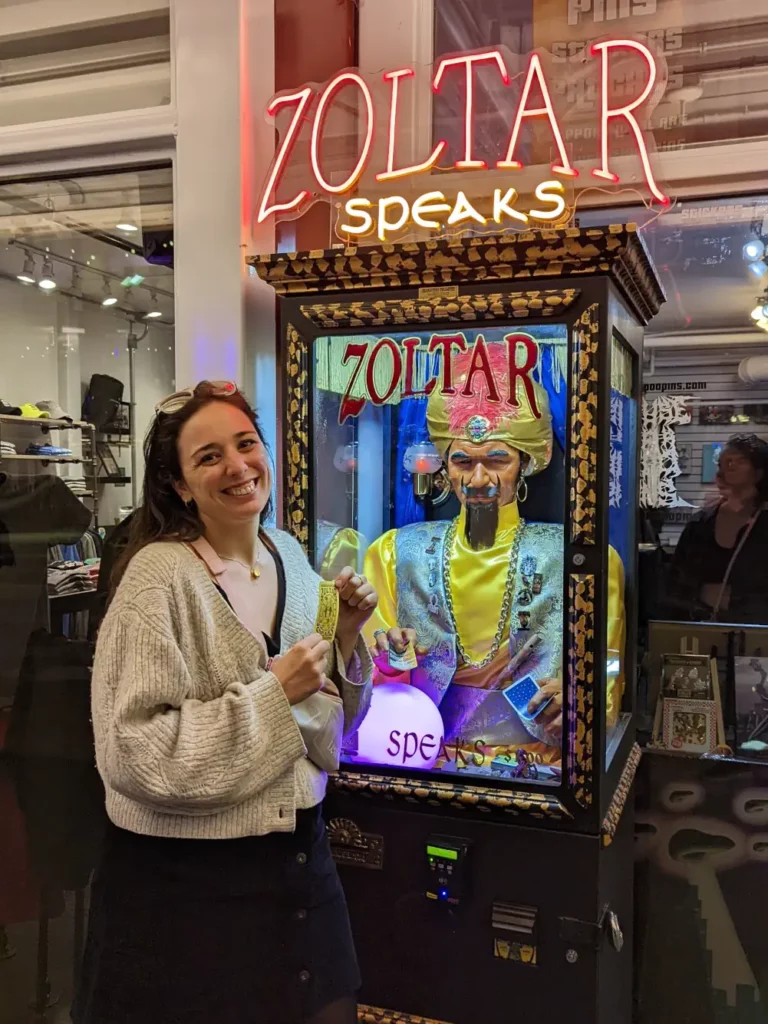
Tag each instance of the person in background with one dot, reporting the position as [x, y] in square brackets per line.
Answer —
[217, 710]
[720, 566]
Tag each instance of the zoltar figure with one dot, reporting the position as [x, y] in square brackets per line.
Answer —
[476, 602]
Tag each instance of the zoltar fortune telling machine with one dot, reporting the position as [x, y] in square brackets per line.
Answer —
[461, 425]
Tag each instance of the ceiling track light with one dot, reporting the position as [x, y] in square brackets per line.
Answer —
[126, 222]
[109, 299]
[27, 275]
[47, 281]
[154, 313]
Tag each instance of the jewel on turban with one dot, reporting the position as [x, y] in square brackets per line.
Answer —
[477, 419]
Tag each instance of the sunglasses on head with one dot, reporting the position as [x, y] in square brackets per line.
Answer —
[206, 388]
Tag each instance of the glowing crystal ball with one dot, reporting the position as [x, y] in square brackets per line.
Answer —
[403, 728]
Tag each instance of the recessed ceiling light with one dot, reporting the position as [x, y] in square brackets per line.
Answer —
[126, 226]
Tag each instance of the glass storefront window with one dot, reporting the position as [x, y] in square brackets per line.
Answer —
[473, 550]
[86, 350]
[707, 100]
[705, 382]
[698, 247]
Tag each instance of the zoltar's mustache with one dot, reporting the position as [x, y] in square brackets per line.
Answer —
[488, 493]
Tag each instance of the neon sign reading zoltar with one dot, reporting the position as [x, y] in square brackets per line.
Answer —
[312, 106]
[401, 362]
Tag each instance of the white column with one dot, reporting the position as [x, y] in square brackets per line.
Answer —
[260, 380]
[224, 77]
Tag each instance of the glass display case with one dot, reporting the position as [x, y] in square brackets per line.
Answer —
[460, 425]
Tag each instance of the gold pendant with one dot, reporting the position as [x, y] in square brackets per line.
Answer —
[255, 572]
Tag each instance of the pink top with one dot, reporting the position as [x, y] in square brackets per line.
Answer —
[235, 580]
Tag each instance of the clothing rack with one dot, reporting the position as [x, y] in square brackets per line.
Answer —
[80, 605]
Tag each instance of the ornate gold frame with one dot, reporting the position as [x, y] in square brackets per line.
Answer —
[618, 803]
[375, 1015]
[452, 308]
[584, 413]
[616, 251]
[296, 418]
[581, 686]
[510, 802]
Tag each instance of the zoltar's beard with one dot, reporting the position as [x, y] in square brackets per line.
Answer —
[482, 520]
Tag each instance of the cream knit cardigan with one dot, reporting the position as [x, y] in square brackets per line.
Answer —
[194, 737]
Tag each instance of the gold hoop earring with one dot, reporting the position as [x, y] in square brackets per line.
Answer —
[522, 486]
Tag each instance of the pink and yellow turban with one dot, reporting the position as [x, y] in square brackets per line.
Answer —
[477, 419]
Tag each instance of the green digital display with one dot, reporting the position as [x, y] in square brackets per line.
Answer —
[438, 851]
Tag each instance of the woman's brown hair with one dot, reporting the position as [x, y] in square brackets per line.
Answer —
[162, 515]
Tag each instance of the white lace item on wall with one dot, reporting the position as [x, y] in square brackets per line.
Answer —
[660, 465]
[617, 452]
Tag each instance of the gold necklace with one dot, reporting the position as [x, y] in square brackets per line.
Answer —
[254, 570]
[506, 603]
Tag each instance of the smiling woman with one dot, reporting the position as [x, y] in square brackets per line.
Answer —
[220, 696]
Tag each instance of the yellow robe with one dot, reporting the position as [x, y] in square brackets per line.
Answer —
[346, 548]
[477, 581]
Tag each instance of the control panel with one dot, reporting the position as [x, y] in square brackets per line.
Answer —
[447, 868]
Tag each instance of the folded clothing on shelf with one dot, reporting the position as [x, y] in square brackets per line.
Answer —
[76, 484]
[50, 408]
[51, 450]
[7, 448]
[31, 412]
[71, 578]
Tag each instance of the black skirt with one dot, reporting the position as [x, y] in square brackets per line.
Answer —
[233, 931]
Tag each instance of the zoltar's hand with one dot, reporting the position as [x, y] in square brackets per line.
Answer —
[357, 600]
[395, 639]
[551, 717]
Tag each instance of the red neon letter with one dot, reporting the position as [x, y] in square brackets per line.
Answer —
[397, 369]
[302, 99]
[322, 109]
[607, 113]
[468, 164]
[410, 345]
[536, 71]
[446, 343]
[353, 406]
[394, 77]
[522, 372]
[480, 363]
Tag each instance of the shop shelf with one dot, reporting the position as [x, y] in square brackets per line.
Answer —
[44, 422]
[43, 458]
